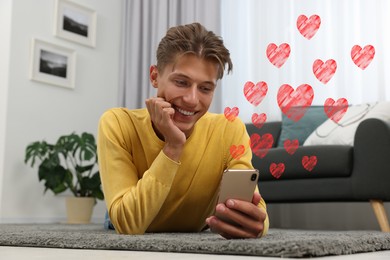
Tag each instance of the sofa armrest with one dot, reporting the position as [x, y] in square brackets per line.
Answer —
[273, 128]
[371, 169]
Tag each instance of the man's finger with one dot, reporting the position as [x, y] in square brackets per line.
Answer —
[256, 198]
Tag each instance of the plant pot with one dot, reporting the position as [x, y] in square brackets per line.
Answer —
[79, 209]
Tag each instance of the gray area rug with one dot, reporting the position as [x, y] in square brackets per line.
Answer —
[278, 243]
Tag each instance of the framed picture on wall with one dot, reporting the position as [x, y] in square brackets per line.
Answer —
[75, 23]
[52, 64]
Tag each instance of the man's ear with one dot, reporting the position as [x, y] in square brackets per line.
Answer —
[153, 75]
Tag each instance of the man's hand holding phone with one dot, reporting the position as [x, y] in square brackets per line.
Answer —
[249, 217]
[238, 216]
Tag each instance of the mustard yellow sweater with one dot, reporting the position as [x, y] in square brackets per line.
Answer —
[145, 191]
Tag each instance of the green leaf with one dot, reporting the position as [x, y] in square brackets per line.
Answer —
[66, 144]
[87, 168]
[54, 177]
[98, 193]
[69, 181]
[90, 183]
[59, 188]
[37, 150]
[87, 147]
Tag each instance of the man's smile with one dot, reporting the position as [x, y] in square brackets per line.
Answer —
[184, 112]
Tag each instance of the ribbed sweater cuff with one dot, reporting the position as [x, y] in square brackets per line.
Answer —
[164, 169]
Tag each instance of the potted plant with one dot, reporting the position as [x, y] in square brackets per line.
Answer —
[69, 164]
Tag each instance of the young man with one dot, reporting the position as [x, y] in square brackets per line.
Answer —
[161, 166]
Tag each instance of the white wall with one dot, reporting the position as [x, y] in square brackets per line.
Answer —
[5, 28]
[36, 111]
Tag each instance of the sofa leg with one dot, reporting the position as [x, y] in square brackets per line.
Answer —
[380, 214]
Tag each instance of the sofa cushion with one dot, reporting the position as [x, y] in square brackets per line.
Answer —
[314, 116]
[332, 161]
[272, 128]
[343, 132]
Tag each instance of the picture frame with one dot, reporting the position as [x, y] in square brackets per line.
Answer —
[75, 23]
[52, 64]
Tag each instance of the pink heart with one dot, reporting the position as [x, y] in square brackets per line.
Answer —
[255, 93]
[260, 145]
[278, 55]
[259, 120]
[237, 151]
[309, 162]
[291, 145]
[277, 169]
[231, 113]
[295, 103]
[324, 71]
[335, 110]
[308, 26]
[362, 57]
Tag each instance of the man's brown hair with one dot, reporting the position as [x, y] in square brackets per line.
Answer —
[195, 39]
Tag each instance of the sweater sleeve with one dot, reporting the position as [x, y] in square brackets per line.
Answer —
[263, 206]
[239, 136]
[132, 202]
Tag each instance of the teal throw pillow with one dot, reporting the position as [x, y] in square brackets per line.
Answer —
[314, 117]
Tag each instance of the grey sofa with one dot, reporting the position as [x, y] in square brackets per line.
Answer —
[343, 173]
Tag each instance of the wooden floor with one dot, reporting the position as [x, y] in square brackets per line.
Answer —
[33, 253]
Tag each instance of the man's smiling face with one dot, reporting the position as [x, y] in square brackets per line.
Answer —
[189, 86]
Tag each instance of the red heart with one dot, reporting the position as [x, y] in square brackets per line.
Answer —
[309, 162]
[308, 26]
[260, 145]
[237, 151]
[278, 55]
[324, 71]
[362, 57]
[255, 93]
[291, 145]
[295, 103]
[259, 120]
[335, 110]
[277, 169]
[231, 113]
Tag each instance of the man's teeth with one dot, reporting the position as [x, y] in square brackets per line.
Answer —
[187, 113]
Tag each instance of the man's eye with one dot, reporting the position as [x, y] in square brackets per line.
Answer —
[206, 89]
[180, 82]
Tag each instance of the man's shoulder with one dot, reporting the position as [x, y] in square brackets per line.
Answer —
[124, 118]
[122, 112]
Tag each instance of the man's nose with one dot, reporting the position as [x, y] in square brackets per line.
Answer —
[191, 96]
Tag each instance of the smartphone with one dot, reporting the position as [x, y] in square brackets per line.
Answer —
[237, 184]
